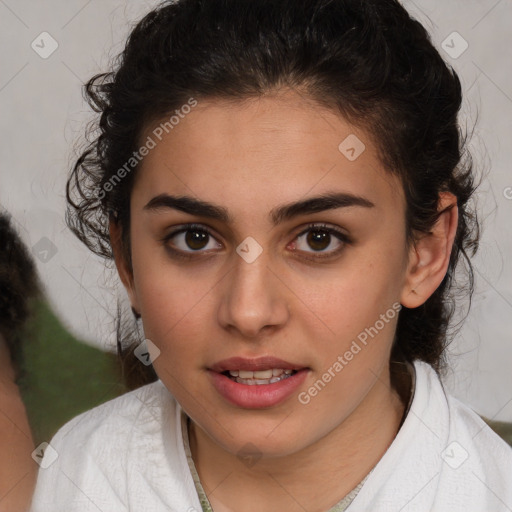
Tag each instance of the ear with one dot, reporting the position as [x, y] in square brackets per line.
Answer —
[429, 256]
[123, 267]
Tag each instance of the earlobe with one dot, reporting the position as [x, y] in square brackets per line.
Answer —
[429, 255]
[125, 273]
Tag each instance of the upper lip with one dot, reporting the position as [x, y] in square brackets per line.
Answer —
[259, 363]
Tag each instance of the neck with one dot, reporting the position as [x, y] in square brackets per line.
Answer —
[344, 456]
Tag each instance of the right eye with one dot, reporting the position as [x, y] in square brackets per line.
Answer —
[190, 239]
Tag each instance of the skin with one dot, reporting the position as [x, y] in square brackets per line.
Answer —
[250, 157]
[17, 469]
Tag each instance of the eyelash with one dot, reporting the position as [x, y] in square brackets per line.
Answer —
[342, 237]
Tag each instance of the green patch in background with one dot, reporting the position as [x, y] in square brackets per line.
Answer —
[503, 429]
[63, 377]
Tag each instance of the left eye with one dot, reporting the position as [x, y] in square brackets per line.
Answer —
[320, 238]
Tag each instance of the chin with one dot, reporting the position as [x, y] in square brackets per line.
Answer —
[262, 439]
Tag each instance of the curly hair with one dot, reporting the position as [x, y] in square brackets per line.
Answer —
[367, 60]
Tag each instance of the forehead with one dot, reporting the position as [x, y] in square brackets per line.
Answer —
[270, 150]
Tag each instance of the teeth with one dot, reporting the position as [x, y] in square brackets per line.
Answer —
[248, 382]
[261, 374]
[265, 374]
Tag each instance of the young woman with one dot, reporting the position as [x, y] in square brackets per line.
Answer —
[285, 193]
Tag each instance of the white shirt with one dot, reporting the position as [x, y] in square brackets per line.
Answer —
[128, 455]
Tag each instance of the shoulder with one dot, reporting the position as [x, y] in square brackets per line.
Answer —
[463, 421]
[485, 451]
[474, 460]
[116, 421]
[94, 460]
[444, 458]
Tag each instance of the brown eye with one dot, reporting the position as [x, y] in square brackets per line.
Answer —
[318, 240]
[190, 239]
[196, 239]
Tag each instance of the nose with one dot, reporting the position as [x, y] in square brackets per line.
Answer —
[253, 299]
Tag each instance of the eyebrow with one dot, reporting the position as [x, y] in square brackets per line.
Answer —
[200, 208]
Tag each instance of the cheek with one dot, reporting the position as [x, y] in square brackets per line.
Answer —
[174, 321]
[164, 295]
[169, 306]
[345, 301]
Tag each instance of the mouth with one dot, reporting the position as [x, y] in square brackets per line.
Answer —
[257, 383]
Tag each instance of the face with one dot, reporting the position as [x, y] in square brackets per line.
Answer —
[236, 271]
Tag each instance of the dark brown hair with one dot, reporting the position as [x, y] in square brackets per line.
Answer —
[366, 59]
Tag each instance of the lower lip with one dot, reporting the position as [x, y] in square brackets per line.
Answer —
[257, 396]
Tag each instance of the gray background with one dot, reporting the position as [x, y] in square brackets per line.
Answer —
[43, 116]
